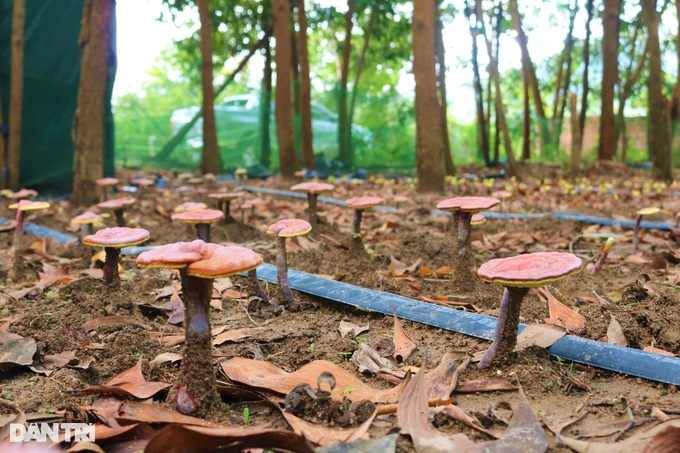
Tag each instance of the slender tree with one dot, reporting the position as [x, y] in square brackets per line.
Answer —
[440, 60]
[585, 82]
[266, 106]
[88, 123]
[429, 143]
[659, 136]
[284, 109]
[674, 105]
[610, 74]
[344, 129]
[16, 94]
[211, 161]
[482, 129]
[3, 152]
[305, 89]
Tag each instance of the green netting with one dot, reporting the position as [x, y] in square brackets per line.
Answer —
[383, 134]
[51, 76]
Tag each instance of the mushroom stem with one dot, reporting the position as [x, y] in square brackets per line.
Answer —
[111, 276]
[357, 241]
[18, 234]
[85, 230]
[195, 392]
[120, 217]
[311, 199]
[636, 232]
[282, 272]
[252, 276]
[603, 256]
[224, 206]
[462, 278]
[505, 336]
[453, 224]
[203, 231]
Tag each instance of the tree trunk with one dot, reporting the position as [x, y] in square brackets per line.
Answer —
[482, 136]
[569, 57]
[88, 123]
[284, 109]
[610, 73]
[266, 107]
[511, 164]
[632, 75]
[526, 118]
[360, 66]
[211, 161]
[586, 63]
[429, 136]
[344, 130]
[3, 153]
[295, 72]
[16, 94]
[497, 43]
[659, 137]
[305, 90]
[440, 61]
[528, 66]
[575, 137]
[674, 106]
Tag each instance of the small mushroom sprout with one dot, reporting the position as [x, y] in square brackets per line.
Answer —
[359, 205]
[117, 206]
[517, 275]
[638, 220]
[201, 219]
[22, 207]
[199, 263]
[86, 220]
[312, 189]
[283, 229]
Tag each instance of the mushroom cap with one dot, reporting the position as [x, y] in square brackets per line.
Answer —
[648, 211]
[85, 218]
[7, 193]
[502, 194]
[199, 216]
[202, 259]
[468, 204]
[312, 187]
[287, 228]
[24, 193]
[240, 171]
[105, 182]
[27, 205]
[364, 203]
[185, 175]
[477, 219]
[143, 181]
[116, 203]
[190, 206]
[117, 237]
[300, 174]
[531, 270]
[226, 195]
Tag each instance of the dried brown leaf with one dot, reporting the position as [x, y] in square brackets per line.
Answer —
[323, 436]
[403, 345]
[561, 315]
[346, 327]
[637, 443]
[615, 333]
[486, 385]
[540, 335]
[130, 382]
[442, 380]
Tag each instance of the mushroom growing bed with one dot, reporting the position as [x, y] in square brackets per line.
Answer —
[86, 333]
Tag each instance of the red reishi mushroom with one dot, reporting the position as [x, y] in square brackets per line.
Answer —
[21, 207]
[104, 184]
[191, 206]
[283, 229]
[117, 206]
[638, 219]
[464, 208]
[23, 194]
[361, 204]
[605, 252]
[199, 263]
[201, 219]
[86, 220]
[114, 239]
[518, 274]
[224, 200]
[312, 189]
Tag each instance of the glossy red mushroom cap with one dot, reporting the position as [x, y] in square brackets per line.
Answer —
[468, 204]
[531, 270]
[200, 216]
[117, 203]
[364, 203]
[312, 187]
[190, 206]
[290, 227]
[24, 193]
[27, 205]
[86, 218]
[226, 195]
[477, 219]
[202, 259]
[105, 182]
[117, 237]
[143, 181]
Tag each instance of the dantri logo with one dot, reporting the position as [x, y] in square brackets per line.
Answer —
[42, 432]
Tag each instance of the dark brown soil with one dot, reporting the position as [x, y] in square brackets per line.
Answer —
[639, 291]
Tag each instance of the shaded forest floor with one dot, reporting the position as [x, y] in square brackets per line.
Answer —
[85, 334]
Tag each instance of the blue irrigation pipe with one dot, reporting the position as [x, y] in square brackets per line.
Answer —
[620, 359]
[45, 232]
[490, 215]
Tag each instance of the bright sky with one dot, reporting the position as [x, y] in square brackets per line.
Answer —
[141, 38]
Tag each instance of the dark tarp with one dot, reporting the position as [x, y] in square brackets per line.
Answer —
[51, 76]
